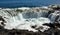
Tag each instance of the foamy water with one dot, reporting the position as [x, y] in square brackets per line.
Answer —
[25, 20]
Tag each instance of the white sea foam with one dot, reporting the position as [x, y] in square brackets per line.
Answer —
[18, 22]
[25, 22]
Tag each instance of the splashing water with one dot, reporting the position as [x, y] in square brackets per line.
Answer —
[24, 20]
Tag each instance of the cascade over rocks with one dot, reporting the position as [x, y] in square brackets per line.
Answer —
[29, 21]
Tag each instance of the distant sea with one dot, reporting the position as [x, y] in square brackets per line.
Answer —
[26, 3]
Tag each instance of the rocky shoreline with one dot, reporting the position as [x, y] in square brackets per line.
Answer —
[54, 25]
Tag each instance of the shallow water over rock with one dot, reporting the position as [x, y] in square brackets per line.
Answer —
[28, 18]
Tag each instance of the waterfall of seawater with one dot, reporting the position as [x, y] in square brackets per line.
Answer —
[54, 16]
[25, 20]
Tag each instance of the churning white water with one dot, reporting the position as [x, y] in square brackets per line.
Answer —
[24, 20]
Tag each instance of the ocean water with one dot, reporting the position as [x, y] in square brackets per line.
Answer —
[24, 20]
[27, 3]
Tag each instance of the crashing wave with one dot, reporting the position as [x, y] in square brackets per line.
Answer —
[25, 18]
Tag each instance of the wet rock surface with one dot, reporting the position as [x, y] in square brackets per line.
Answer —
[18, 32]
[53, 15]
[26, 32]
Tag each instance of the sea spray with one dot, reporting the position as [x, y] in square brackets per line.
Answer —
[25, 20]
